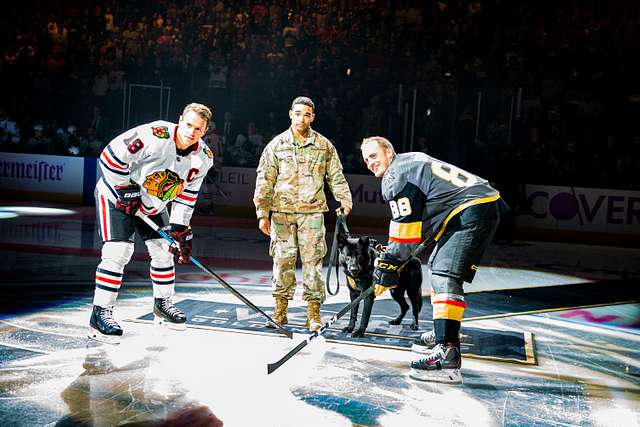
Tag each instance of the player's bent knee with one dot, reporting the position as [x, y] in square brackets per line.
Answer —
[159, 253]
[446, 285]
[117, 253]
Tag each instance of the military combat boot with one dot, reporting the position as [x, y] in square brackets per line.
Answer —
[314, 322]
[280, 313]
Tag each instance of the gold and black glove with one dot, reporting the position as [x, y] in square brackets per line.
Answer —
[386, 274]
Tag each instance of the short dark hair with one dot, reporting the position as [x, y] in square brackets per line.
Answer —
[304, 101]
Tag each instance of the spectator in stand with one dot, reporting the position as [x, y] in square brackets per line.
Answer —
[76, 143]
[248, 146]
[39, 143]
[228, 130]
[100, 125]
[94, 145]
[9, 133]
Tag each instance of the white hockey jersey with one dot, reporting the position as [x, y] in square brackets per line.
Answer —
[146, 155]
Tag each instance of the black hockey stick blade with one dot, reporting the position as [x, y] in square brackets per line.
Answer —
[242, 298]
[203, 267]
[271, 367]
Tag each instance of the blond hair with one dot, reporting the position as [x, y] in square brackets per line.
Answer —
[381, 141]
[200, 109]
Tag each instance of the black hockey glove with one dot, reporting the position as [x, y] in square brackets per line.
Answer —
[128, 199]
[386, 274]
[182, 235]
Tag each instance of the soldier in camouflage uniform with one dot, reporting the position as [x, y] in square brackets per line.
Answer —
[290, 205]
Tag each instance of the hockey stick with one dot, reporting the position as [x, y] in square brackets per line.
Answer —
[203, 267]
[273, 366]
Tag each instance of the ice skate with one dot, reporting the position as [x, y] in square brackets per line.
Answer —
[165, 313]
[441, 365]
[424, 344]
[103, 327]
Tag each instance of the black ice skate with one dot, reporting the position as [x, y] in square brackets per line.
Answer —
[167, 314]
[103, 327]
[442, 365]
[424, 344]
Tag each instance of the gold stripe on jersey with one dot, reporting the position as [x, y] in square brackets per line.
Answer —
[461, 208]
[405, 232]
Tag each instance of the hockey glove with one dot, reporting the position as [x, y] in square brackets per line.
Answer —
[386, 274]
[182, 235]
[128, 199]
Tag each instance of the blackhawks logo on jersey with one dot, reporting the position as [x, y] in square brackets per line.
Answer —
[160, 132]
[165, 185]
[208, 152]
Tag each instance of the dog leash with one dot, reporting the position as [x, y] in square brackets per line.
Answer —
[341, 223]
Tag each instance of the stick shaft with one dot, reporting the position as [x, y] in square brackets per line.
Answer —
[271, 367]
[203, 267]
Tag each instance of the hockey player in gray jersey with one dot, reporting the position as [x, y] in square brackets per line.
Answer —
[146, 169]
[431, 199]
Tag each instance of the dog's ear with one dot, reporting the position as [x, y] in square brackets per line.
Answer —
[342, 239]
[364, 241]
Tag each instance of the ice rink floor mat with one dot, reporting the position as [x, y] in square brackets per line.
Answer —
[492, 344]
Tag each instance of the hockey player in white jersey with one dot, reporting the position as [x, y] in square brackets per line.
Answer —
[148, 168]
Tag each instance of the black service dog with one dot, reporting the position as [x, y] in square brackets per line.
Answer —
[356, 255]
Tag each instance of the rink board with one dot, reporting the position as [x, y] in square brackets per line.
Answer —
[492, 344]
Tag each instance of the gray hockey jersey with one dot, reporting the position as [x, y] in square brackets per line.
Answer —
[424, 193]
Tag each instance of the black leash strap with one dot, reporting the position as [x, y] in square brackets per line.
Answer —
[341, 222]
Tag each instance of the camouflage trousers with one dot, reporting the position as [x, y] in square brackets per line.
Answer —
[290, 232]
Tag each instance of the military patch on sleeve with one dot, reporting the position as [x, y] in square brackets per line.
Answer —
[208, 152]
[160, 132]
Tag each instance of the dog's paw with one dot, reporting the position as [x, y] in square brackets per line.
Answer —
[358, 333]
[347, 329]
[414, 326]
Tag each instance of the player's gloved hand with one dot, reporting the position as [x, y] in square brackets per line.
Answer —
[128, 199]
[182, 235]
[386, 274]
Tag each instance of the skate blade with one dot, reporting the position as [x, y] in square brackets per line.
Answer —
[100, 337]
[159, 321]
[421, 349]
[446, 376]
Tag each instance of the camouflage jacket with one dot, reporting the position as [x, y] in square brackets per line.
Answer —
[290, 176]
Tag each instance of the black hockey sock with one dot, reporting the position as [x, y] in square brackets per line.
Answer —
[447, 331]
